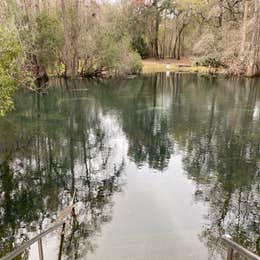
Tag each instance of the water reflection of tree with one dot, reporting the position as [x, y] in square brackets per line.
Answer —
[141, 104]
[147, 115]
[222, 157]
[215, 123]
[147, 127]
[54, 146]
[57, 143]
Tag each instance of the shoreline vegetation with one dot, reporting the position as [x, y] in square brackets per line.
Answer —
[152, 65]
[184, 65]
[84, 38]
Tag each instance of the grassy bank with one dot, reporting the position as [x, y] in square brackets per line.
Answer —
[183, 65]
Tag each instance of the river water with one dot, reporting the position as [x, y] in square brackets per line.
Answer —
[162, 166]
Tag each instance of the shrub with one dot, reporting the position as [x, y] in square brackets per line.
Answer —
[140, 46]
[213, 62]
[130, 63]
[135, 63]
[116, 56]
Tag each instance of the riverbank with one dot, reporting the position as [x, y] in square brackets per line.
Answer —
[172, 65]
[152, 65]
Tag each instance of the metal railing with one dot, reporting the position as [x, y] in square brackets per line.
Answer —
[60, 222]
[235, 250]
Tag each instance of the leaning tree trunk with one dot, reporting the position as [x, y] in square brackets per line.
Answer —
[253, 68]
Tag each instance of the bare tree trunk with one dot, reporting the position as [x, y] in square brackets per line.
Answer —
[46, 5]
[174, 55]
[40, 72]
[157, 23]
[174, 47]
[157, 36]
[37, 7]
[253, 68]
[177, 43]
[244, 29]
[75, 39]
[164, 37]
[68, 67]
[221, 11]
[170, 44]
[179, 47]
[27, 8]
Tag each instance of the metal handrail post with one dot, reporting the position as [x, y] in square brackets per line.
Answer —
[40, 249]
[61, 222]
[27, 244]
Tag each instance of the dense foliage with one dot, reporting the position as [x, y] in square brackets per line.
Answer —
[89, 38]
[10, 51]
[48, 39]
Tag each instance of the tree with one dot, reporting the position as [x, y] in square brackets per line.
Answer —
[48, 42]
[253, 68]
[70, 18]
[244, 28]
[10, 54]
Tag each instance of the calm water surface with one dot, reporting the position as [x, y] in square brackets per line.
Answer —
[162, 167]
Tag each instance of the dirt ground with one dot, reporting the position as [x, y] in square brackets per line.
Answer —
[182, 61]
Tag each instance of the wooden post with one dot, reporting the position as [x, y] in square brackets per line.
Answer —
[40, 249]
[230, 253]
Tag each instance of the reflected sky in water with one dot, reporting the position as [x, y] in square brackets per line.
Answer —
[162, 167]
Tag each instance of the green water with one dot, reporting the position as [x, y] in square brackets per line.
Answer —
[162, 167]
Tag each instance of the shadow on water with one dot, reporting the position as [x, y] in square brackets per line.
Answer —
[80, 135]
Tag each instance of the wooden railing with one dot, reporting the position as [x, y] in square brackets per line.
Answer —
[235, 250]
[60, 222]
